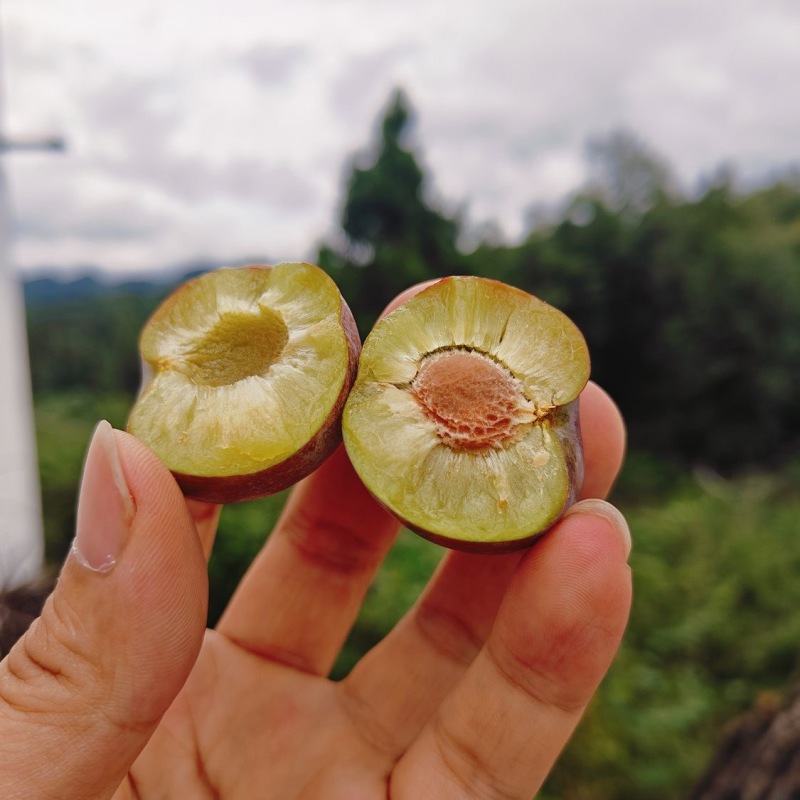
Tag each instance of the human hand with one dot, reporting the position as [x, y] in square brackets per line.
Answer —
[118, 690]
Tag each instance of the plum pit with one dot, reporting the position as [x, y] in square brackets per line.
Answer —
[475, 401]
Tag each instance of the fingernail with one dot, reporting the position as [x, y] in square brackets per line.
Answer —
[105, 507]
[611, 513]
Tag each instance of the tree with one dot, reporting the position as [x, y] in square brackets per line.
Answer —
[627, 175]
[393, 237]
[720, 283]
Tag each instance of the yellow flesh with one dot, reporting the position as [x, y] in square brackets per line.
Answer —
[507, 490]
[247, 364]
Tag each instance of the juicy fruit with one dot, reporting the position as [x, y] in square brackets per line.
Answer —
[463, 420]
[246, 374]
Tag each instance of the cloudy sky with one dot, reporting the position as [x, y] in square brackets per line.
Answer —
[224, 129]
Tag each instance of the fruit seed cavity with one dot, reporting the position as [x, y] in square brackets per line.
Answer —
[474, 400]
[257, 339]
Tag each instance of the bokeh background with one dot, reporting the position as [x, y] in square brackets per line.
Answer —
[635, 164]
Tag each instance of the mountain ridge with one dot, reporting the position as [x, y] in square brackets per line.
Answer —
[46, 287]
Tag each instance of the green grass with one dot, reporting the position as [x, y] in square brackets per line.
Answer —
[64, 425]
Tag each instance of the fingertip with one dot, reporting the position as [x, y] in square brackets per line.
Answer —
[106, 506]
[575, 582]
[604, 440]
[596, 507]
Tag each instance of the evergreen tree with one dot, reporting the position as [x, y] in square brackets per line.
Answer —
[393, 237]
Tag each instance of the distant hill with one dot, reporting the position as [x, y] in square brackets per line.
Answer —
[49, 289]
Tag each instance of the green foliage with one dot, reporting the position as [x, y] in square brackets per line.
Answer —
[720, 369]
[64, 425]
[89, 343]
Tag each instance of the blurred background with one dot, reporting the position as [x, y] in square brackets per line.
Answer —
[635, 164]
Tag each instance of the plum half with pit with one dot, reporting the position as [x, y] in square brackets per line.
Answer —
[463, 420]
[246, 374]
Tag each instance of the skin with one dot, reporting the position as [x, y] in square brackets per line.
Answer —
[119, 691]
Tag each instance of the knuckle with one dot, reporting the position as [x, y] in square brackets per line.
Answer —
[50, 667]
[447, 633]
[557, 675]
[334, 546]
[469, 767]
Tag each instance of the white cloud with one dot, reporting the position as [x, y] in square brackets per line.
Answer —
[202, 128]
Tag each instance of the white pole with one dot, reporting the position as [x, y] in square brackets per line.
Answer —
[21, 530]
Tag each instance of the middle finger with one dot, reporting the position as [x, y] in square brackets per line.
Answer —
[301, 595]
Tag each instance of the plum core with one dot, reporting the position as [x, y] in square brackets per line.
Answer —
[475, 401]
[238, 346]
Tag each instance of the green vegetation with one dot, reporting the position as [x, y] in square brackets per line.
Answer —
[691, 307]
[715, 626]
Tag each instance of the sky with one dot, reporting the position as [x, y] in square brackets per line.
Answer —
[225, 130]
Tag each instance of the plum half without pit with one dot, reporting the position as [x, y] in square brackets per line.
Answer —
[463, 420]
[246, 372]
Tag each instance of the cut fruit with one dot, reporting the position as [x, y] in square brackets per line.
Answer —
[463, 420]
[246, 375]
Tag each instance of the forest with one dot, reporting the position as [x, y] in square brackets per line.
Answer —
[690, 304]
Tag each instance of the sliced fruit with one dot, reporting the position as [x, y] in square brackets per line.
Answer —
[463, 420]
[246, 374]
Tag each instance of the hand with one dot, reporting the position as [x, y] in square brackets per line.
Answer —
[117, 690]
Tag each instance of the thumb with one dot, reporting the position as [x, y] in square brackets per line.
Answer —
[83, 690]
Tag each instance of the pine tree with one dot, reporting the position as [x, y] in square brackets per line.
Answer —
[393, 236]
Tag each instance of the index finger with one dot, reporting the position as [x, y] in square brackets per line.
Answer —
[500, 730]
[604, 441]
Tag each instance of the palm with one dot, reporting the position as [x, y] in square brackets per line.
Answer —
[275, 733]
